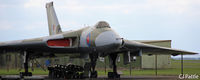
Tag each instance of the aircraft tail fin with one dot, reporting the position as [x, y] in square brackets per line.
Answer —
[54, 26]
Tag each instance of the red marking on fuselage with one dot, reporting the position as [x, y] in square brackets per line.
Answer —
[59, 42]
[88, 39]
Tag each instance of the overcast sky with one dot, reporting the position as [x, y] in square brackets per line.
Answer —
[176, 20]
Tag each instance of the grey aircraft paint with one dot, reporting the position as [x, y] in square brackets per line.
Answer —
[95, 41]
[99, 37]
[109, 40]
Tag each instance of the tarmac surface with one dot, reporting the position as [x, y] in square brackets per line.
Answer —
[45, 77]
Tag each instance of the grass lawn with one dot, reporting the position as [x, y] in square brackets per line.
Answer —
[173, 71]
[190, 67]
[37, 71]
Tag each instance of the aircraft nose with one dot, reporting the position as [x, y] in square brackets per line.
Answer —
[108, 39]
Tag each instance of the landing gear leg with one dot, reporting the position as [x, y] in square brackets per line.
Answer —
[93, 58]
[25, 73]
[113, 74]
[89, 68]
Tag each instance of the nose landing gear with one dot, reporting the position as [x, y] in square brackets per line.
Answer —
[113, 74]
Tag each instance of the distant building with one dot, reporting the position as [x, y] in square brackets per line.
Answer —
[163, 61]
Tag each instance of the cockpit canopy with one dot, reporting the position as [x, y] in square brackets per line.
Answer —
[102, 24]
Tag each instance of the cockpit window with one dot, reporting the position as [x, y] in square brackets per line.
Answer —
[102, 24]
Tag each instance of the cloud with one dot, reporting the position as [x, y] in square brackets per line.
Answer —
[73, 6]
[34, 4]
[5, 25]
[76, 6]
[151, 6]
[3, 6]
[35, 26]
[171, 6]
[71, 25]
[174, 7]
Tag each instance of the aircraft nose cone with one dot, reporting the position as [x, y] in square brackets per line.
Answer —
[108, 40]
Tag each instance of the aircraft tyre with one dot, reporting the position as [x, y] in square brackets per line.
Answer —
[22, 74]
[113, 75]
[94, 74]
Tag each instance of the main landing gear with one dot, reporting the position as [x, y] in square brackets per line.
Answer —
[89, 68]
[25, 73]
[113, 74]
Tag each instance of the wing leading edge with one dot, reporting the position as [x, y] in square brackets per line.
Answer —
[22, 45]
[50, 44]
[136, 45]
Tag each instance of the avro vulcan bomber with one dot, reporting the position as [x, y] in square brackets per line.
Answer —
[90, 43]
